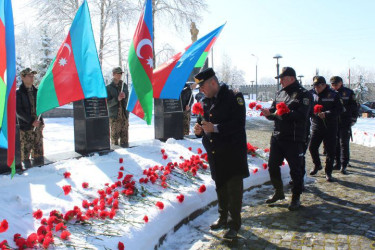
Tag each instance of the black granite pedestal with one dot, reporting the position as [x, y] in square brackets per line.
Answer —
[91, 126]
[3, 155]
[168, 119]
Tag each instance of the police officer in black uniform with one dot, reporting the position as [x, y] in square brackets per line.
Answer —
[324, 125]
[289, 136]
[224, 138]
[347, 119]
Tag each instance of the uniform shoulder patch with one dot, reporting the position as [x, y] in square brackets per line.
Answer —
[240, 101]
[306, 101]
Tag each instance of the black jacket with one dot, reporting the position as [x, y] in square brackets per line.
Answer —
[186, 97]
[350, 113]
[293, 125]
[112, 101]
[332, 107]
[226, 150]
[23, 108]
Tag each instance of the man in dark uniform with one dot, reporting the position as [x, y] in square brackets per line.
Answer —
[324, 125]
[117, 100]
[224, 138]
[347, 119]
[31, 128]
[289, 136]
[187, 101]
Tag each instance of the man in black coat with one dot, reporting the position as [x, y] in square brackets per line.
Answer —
[31, 128]
[224, 138]
[346, 120]
[324, 125]
[289, 136]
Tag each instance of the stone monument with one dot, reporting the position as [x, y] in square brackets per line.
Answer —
[3, 155]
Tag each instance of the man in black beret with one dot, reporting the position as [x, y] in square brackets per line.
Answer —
[289, 136]
[224, 138]
[347, 119]
[324, 124]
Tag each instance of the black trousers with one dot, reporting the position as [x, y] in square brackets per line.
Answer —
[328, 136]
[293, 152]
[229, 196]
[342, 147]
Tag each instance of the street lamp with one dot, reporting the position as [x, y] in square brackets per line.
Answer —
[277, 57]
[256, 77]
[300, 79]
[252, 89]
[349, 69]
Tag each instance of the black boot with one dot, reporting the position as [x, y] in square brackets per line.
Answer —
[329, 177]
[278, 195]
[231, 234]
[315, 170]
[336, 167]
[219, 224]
[343, 170]
[295, 204]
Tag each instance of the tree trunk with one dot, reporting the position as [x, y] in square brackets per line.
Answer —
[102, 28]
[153, 31]
[119, 41]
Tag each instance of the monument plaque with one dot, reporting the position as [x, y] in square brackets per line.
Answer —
[3, 155]
[168, 119]
[91, 126]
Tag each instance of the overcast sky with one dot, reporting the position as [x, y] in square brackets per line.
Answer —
[309, 34]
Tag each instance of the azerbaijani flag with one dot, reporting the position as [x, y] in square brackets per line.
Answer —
[75, 73]
[7, 83]
[170, 77]
[141, 66]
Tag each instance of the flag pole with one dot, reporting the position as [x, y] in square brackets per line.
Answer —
[37, 120]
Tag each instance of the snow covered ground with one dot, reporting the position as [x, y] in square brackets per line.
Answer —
[44, 189]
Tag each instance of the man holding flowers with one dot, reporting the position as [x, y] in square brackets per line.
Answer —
[290, 111]
[224, 138]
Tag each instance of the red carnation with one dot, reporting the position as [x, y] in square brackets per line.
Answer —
[160, 205]
[65, 235]
[85, 185]
[165, 157]
[121, 168]
[67, 189]
[266, 150]
[67, 175]
[31, 240]
[199, 150]
[120, 246]
[180, 198]
[38, 214]
[120, 175]
[3, 226]
[318, 108]
[190, 148]
[47, 241]
[252, 105]
[162, 151]
[255, 171]
[202, 189]
[120, 160]
[265, 165]
[60, 227]
[145, 218]
[198, 109]
[282, 108]
[257, 107]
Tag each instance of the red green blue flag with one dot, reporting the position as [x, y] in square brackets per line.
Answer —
[141, 66]
[7, 83]
[170, 78]
[75, 73]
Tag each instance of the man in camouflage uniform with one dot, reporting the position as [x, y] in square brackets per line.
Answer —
[118, 116]
[31, 128]
[187, 101]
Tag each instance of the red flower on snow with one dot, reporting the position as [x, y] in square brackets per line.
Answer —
[38, 214]
[67, 175]
[85, 185]
[257, 107]
[197, 109]
[120, 246]
[60, 227]
[145, 218]
[121, 168]
[160, 205]
[252, 105]
[120, 175]
[199, 150]
[3, 226]
[318, 108]
[282, 108]
[255, 170]
[265, 165]
[180, 198]
[67, 189]
[120, 160]
[202, 189]
[65, 235]
[165, 157]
